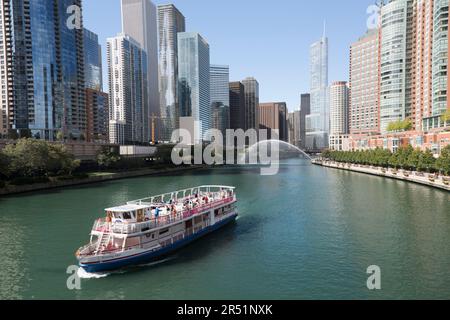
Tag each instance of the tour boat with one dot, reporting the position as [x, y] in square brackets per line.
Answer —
[148, 229]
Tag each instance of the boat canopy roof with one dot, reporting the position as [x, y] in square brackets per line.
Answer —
[127, 208]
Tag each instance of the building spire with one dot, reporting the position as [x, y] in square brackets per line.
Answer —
[324, 29]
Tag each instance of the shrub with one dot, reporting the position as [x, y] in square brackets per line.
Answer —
[22, 181]
[33, 158]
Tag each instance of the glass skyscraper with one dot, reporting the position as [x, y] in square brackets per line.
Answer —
[45, 69]
[318, 121]
[237, 105]
[396, 62]
[251, 93]
[305, 110]
[92, 61]
[170, 23]
[127, 71]
[194, 79]
[139, 21]
[440, 58]
[220, 97]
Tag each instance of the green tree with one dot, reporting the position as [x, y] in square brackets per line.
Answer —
[394, 161]
[446, 116]
[107, 158]
[427, 161]
[28, 157]
[60, 136]
[401, 125]
[443, 162]
[403, 156]
[60, 162]
[38, 158]
[414, 159]
[4, 165]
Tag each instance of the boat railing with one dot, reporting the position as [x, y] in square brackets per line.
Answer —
[184, 193]
[101, 225]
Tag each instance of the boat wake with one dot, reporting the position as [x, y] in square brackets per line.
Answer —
[83, 274]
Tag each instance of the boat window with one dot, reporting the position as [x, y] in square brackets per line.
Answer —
[127, 215]
[163, 231]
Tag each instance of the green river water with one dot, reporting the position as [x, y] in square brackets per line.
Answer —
[306, 233]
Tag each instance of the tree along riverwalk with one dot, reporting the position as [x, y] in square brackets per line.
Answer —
[431, 180]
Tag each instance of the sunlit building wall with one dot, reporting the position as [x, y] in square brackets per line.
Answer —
[170, 22]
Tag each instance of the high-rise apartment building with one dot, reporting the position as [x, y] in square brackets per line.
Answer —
[364, 112]
[170, 22]
[220, 97]
[339, 102]
[339, 111]
[237, 105]
[251, 93]
[422, 69]
[305, 109]
[93, 72]
[397, 41]
[293, 125]
[139, 21]
[127, 71]
[440, 82]
[97, 115]
[97, 104]
[318, 121]
[273, 116]
[41, 94]
[194, 79]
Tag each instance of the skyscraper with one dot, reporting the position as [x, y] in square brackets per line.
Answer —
[139, 21]
[339, 108]
[170, 22]
[127, 71]
[293, 124]
[237, 105]
[397, 35]
[422, 64]
[364, 85]
[43, 64]
[305, 110]
[92, 61]
[194, 79]
[251, 93]
[273, 116]
[220, 97]
[318, 122]
[97, 115]
[440, 70]
[97, 104]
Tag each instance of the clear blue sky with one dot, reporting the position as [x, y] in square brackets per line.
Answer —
[266, 39]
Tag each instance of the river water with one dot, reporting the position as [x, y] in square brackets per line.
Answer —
[306, 233]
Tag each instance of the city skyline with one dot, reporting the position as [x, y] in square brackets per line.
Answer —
[291, 63]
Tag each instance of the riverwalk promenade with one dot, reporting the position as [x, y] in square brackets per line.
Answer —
[405, 175]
